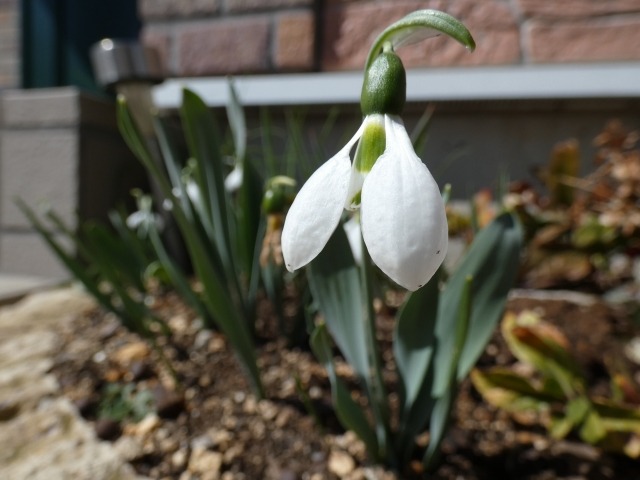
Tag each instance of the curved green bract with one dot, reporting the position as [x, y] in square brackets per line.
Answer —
[417, 26]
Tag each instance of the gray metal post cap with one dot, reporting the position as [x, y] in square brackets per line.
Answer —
[118, 61]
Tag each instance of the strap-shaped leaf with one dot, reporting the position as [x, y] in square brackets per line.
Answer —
[202, 135]
[350, 414]
[77, 269]
[418, 26]
[217, 297]
[503, 388]
[342, 291]
[413, 346]
[492, 261]
[248, 217]
[237, 123]
[442, 408]
[334, 280]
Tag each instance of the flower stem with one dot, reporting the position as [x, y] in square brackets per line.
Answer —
[375, 383]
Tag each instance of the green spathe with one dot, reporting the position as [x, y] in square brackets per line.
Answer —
[385, 85]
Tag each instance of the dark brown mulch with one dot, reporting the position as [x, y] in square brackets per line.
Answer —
[215, 428]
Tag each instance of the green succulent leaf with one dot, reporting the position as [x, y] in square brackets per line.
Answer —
[575, 413]
[593, 429]
[543, 346]
[506, 389]
[618, 417]
[418, 26]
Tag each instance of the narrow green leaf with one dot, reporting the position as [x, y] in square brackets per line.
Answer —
[266, 139]
[617, 417]
[138, 247]
[116, 253]
[77, 269]
[417, 26]
[177, 278]
[343, 296]
[350, 414]
[421, 129]
[492, 261]
[237, 122]
[506, 389]
[442, 408]
[221, 303]
[137, 316]
[170, 157]
[334, 280]
[413, 347]
[132, 136]
[202, 135]
[248, 216]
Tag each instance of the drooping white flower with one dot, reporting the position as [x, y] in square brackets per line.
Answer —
[404, 225]
[233, 181]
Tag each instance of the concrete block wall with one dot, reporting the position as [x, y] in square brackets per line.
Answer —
[60, 148]
[216, 37]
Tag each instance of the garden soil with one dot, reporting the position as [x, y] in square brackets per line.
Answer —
[202, 421]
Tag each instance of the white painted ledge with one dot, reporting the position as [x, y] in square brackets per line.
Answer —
[603, 80]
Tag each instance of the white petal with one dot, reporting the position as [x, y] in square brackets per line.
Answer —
[403, 217]
[234, 180]
[315, 212]
[354, 235]
[317, 208]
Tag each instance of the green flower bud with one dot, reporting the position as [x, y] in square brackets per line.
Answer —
[279, 195]
[385, 86]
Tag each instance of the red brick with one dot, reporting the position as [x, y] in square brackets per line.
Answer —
[493, 47]
[350, 29]
[247, 5]
[233, 46]
[577, 8]
[585, 40]
[159, 40]
[294, 46]
[176, 8]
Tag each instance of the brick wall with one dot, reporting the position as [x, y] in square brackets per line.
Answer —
[215, 37]
[9, 43]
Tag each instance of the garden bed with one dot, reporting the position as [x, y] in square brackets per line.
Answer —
[209, 425]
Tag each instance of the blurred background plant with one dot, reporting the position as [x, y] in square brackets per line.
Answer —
[121, 401]
[226, 215]
[115, 265]
[548, 386]
[582, 232]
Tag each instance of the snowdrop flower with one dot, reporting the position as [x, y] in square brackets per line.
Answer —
[402, 213]
[233, 181]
